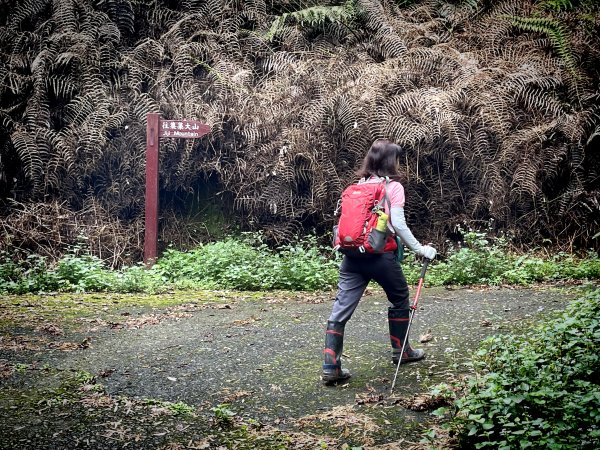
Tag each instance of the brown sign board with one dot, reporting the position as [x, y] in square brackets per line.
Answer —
[186, 129]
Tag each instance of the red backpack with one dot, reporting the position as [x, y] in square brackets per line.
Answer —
[362, 207]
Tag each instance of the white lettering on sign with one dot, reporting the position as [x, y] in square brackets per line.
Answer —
[181, 134]
[189, 129]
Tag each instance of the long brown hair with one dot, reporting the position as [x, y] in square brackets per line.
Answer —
[381, 160]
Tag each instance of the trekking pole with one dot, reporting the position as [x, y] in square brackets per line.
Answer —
[413, 308]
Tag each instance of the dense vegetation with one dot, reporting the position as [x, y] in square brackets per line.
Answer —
[249, 264]
[538, 390]
[496, 103]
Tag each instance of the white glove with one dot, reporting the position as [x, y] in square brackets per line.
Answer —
[427, 251]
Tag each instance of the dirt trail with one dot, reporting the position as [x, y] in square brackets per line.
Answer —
[262, 357]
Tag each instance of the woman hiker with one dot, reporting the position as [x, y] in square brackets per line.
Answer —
[382, 160]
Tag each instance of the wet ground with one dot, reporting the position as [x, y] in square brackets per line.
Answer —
[219, 363]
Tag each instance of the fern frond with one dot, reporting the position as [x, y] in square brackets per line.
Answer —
[278, 62]
[406, 131]
[314, 16]
[524, 179]
[162, 18]
[31, 155]
[61, 87]
[108, 32]
[538, 100]
[389, 44]
[79, 109]
[120, 12]
[142, 105]
[524, 142]
[116, 120]
[65, 16]
[25, 9]
[557, 32]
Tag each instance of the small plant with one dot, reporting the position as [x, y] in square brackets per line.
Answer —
[223, 415]
[177, 409]
[137, 278]
[21, 368]
[29, 275]
[482, 259]
[478, 260]
[181, 409]
[84, 273]
[83, 377]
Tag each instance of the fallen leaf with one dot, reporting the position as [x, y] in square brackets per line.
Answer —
[248, 321]
[50, 328]
[107, 373]
[426, 337]
[231, 397]
[6, 370]
[85, 343]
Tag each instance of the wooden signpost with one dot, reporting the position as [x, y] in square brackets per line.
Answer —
[157, 128]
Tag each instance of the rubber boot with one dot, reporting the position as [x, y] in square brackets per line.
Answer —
[398, 320]
[334, 342]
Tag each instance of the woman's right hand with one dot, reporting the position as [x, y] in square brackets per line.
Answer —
[427, 251]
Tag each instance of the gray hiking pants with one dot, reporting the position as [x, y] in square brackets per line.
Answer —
[355, 274]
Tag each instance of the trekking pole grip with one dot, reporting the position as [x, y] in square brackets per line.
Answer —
[424, 268]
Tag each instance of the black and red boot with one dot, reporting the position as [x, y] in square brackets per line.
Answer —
[334, 343]
[398, 320]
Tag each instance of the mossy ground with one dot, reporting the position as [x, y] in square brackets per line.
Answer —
[231, 370]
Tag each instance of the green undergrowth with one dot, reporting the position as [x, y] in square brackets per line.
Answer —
[246, 263]
[481, 259]
[536, 390]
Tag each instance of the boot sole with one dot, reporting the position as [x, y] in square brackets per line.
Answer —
[334, 378]
[331, 381]
[408, 360]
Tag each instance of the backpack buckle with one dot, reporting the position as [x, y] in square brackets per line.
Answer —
[337, 207]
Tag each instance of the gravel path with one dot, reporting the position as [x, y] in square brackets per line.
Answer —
[265, 355]
[106, 378]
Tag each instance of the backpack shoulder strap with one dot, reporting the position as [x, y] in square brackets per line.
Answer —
[386, 200]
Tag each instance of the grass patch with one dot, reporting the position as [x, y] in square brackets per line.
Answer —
[71, 311]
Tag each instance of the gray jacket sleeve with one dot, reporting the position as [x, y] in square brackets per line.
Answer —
[402, 230]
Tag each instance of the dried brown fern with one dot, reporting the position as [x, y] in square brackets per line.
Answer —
[493, 119]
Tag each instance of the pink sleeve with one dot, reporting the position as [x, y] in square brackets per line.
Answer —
[395, 193]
